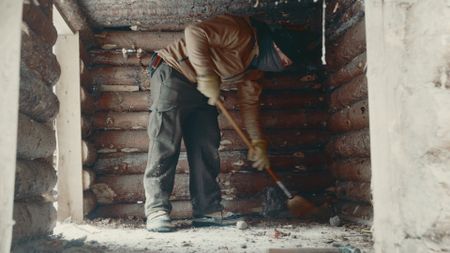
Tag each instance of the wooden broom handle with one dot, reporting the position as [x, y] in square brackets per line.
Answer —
[243, 136]
[235, 125]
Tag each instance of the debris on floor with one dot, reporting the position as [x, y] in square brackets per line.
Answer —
[277, 234]
[335, 221]
[56, 244]
[241, 225]
[129, 236]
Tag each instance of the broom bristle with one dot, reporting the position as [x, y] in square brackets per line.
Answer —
[300, 207]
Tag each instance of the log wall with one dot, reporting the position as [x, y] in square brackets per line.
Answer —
[348, 151]
[35, 215]
[294, 116]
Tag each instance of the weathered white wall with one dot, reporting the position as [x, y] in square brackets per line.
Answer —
[11, 13]
[409, 99]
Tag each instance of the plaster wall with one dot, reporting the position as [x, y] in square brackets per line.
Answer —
[408, 57]
[11, 13]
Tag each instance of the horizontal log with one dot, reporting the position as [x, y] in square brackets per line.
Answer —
[121, 163]
[33, 219]
[270, 100]
[133, 76]
[140, 101]
[135, 163]
[279, 139]
[269, 119]
[353, 144]
[115, 58]
[354, 191]
[282, 81]
[354, 117]
[36, 99]
[87, 126]
[33, 178]
[124, 101]
[148, 41]
[129, 188]
[347, 47]
[121, 141]
[356, 212]
[88, 153]
[354, 169]
[231, 161]
[173, 15]
[283, 119]
[349, 72]
[38, 56]
[347, 18]
[180, 209]
[138, 141]
[349, 93]
[121, 120]
[39, 22]
[127, 75]
[88, 178]
[34, 139]
[89, 202]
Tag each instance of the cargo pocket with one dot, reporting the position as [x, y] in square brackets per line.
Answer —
[164, 129]
[164, 103]
[154, 126]
[162, 112]
[164, 107]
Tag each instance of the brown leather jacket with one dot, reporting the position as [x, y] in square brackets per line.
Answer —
[225, 46]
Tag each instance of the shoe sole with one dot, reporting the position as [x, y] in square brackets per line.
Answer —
[162, 226]
[209, 224]
[161, 230]
[214, 223]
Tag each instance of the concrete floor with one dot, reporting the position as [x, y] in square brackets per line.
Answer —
[108, 235]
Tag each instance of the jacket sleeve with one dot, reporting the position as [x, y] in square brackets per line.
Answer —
[249, 92]
[217, 32]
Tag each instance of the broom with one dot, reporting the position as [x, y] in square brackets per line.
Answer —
[297, 205]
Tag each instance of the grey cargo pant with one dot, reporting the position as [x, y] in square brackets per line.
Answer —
[179, 111]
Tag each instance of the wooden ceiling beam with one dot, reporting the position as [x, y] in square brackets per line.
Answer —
[71, 12]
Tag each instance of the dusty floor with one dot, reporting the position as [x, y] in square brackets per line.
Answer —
[107, 235]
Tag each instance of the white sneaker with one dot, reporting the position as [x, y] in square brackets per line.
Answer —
[159, 221]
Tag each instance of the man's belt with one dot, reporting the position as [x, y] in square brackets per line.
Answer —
[155, 61]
